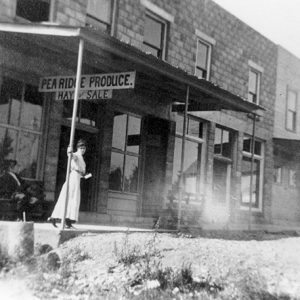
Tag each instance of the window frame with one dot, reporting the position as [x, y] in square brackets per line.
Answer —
[258, 71]
[209, 42]
[201, 159]
[278, 175]
[261, 159]
[165, 25]
[109, 26]
[292, 174]
[231, 135]
[208, 59]
[52, 4]
[294, 113]
[126, 153]
[41, 132]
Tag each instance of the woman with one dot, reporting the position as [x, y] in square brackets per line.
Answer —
[77, 171]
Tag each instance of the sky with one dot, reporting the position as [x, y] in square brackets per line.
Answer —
[278, 20]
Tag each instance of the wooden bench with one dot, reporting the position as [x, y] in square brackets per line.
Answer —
[38, 212]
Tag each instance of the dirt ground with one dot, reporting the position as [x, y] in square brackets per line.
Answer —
[241, 266]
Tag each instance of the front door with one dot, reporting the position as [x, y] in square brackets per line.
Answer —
[89, 158]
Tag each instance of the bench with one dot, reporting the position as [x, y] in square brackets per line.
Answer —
[38, 212]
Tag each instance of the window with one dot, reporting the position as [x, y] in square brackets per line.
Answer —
[292, 178]
[192, 160]
[253, 92]
[257, 174]
[203, 54]
[291, 110]
[21, 111]
[203, 59]
[155, 30]
[223, 142]
[33, 10]
[255, 72]
[278, 175]
[124, 165]
[99, 14]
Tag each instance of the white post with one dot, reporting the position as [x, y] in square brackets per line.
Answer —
[70, 147]
[182, 157]
[251, 170]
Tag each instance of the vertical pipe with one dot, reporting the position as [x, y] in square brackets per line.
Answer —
[251, 170]
[70, 147]
[182, 156]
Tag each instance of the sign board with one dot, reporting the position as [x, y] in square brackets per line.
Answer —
[112, 81]
[84, 95]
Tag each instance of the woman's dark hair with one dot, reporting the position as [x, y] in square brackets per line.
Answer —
[81, 143]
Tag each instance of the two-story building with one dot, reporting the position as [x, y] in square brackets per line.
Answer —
[192, 139]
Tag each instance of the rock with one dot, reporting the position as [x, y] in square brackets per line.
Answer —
[20, 240]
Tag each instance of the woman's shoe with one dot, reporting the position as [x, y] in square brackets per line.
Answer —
[52, 221]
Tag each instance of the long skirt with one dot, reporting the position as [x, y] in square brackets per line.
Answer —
[74, 199]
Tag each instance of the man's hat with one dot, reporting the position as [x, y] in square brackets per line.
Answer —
[10, 162]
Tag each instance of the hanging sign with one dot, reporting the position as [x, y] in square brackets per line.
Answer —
[84, 95]
[112, 81]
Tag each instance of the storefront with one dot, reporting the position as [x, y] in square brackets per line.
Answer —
[144, 145]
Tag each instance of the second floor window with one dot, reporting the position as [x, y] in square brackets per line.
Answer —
[99, 14]
[253, 87]
[155, 35]
[33, 10]
[291, 111]
[203, 59]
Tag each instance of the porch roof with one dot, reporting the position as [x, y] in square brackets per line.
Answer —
[153, 75]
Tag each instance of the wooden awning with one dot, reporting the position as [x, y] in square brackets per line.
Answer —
[112, 55]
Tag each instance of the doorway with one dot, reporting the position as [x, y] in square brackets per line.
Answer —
[90, 161]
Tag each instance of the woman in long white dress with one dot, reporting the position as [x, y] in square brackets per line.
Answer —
[74, 194]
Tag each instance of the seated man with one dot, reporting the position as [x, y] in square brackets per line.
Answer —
[10, 182]
[26, 195]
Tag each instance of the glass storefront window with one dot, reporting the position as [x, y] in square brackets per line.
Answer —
[21, 110]
[192, 158]
[257, 174]
[124, 164]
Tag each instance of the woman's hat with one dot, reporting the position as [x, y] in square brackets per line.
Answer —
[81, 143]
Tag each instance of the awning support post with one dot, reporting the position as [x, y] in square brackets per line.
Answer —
[70, 147]
[181, 187]
[251, 172]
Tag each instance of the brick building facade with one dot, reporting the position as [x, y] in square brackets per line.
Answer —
[231, 70]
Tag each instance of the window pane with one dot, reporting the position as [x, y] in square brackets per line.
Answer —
[252, 82]
[133, 139]
[131, 174]
[33, 10]
[247, 144]
[246, 178]
[191, 165]
[153, 32]
[176, 162]
[100, 9]
[202, 55]
[218, 141]
[292, 178]
[194, 128]
[148, 49]
[119, 131]
[10, 101]
[8, 142]
[88, 113]
[116, 171]
[27, 154]
[32, 109]
[179, 124]
[292, 100]
[290, 122]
